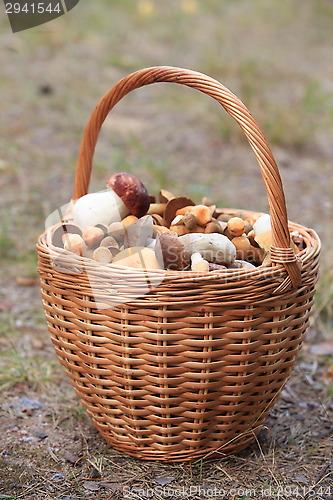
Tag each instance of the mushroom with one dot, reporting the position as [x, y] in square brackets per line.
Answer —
[103, 255]
[164, 196]
[109, 241]
[60, 230]
[198, 229]
[264, 240]
[198, 263]
[216, 267]
[262, 224]
[297, 240]
[184, 224]
[242, 245]
[156, 208]
[256, 255]
[138, 257]
[132, 192]
[190, 221]
[129, 220]
[112, 244]
[242, 264]
[223, 225]
[102, 207]
[92, 236]
[214, 227]
[206, 201]
[171, 250]
[180, 229]
[251, 238]
[103, 227]
[248, 227]
[158, 220]
[235, 226]
[151, 243]
[160, 229]
[74, 243]
[222, 217]
[173, 206]
[178, 220]
[117, 231]
[262, 230]
[213, 247]
[137, 234]
[202, 213]
[263, 236]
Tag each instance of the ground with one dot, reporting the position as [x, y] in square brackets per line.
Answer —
[278, 60]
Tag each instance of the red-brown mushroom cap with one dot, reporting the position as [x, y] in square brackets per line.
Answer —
[131, 191]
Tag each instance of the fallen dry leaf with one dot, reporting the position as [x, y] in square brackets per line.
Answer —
[25, 281]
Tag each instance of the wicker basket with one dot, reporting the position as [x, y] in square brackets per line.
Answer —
[192, 368]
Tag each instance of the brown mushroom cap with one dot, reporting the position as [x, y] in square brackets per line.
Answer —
[131, 191]
[242, 245]
[164, 196]
[213, 227]
[61, 229]
[173, 205]
[172, 250]
[158, 220]
[236, 226]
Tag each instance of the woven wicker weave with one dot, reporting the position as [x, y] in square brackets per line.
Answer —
[192, 368]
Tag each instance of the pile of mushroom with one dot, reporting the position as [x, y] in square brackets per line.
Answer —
[126, 226]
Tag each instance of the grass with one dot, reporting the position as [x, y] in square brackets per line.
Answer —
[23, 366]
[6, 242]
[15, 369]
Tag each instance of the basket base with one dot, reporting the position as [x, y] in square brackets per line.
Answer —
[235, 445]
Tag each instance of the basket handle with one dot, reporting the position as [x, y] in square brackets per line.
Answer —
[281, 253]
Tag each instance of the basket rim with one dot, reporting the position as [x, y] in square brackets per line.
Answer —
[277, 270]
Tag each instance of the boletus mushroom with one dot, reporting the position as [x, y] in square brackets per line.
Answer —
[171, 250]
[132, 192]
[213, 247]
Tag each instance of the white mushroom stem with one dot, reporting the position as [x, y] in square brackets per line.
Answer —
[74, 243]
[242, 264]
[103, 255]
[213, 247]
[177, 220]
[199, 264]
[262, 224]
[93, 236]
[103, 207]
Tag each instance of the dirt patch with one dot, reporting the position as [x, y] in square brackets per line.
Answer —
[49, 448]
